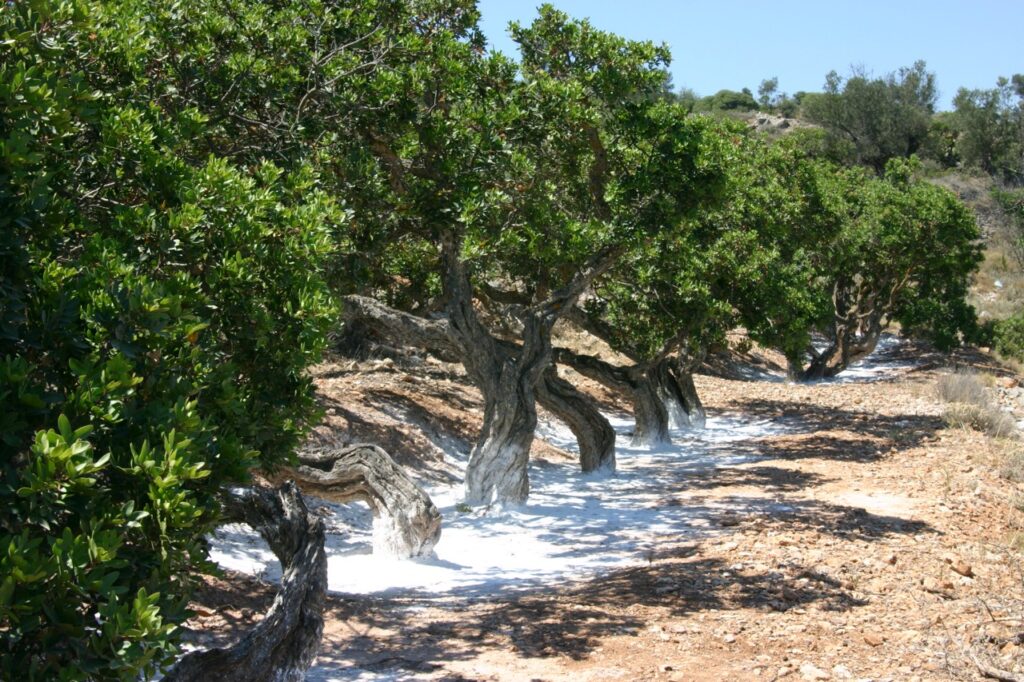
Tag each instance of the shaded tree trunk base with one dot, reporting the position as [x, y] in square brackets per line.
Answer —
[498, 465]
[679, 393]
[281, 648]
[838, 356]
[649, 410]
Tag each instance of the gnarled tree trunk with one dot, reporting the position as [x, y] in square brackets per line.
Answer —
[594, 434]
[637, 381]
[405, 521]
[498, 463]
[648, 408]
[282, 646]
[845, 349]
[677, 390]
[860, 313]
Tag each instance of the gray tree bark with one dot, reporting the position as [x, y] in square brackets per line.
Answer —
[677, 390]
[593, 433]
[648, 408]
[860, 315]
[405, 521]
[637, 381]
[281, 648]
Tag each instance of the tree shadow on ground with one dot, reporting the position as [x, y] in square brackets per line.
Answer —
[768, 478]
[571, 622]
[834, 433]
[411, 634]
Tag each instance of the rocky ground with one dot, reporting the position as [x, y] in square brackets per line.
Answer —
[868, 540]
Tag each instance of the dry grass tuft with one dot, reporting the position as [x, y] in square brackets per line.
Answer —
[988, 419]
[962, 387]
[971, 408]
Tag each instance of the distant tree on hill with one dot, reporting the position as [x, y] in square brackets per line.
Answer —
[768, 93]
[728, 100]
[990, 127]
[880, 118]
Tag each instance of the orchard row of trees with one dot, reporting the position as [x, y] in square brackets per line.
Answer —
[193, 194]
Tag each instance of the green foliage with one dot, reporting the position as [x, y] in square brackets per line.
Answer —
[768, 93]
[881, 118]
[902, 249]
[1008, 336]
[990, 126]
[735, 260]
[941, 143]
[599, 159]
[158, 307]
[727, 100]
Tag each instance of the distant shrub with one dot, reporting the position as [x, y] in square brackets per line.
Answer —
[728, 100]
[1009, 336]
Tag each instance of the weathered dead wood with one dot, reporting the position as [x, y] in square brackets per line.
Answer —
[282, 646]
[405, 521]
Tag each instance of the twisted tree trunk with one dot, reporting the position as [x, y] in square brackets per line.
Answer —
[637, 381]
[405, 521]
[281, 648]
[677, 390]
[648, 408]
[594, 434]
[506, 374]
[845, 349]
[860, 314]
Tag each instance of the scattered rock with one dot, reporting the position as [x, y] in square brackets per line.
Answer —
[963, 568]
[842, 672]
[810, 671]
[935, 587]
[874, 639]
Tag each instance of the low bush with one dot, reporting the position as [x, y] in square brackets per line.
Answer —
[962, 387]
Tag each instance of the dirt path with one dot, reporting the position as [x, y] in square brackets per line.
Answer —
[828, 541]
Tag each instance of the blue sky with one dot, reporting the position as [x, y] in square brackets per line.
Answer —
[735, 44]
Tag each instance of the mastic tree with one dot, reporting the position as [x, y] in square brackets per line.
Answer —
[531, 182]
[742, 260]
[159, 304]
[905, 251]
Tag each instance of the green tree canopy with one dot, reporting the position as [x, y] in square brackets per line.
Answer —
[879, 118]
